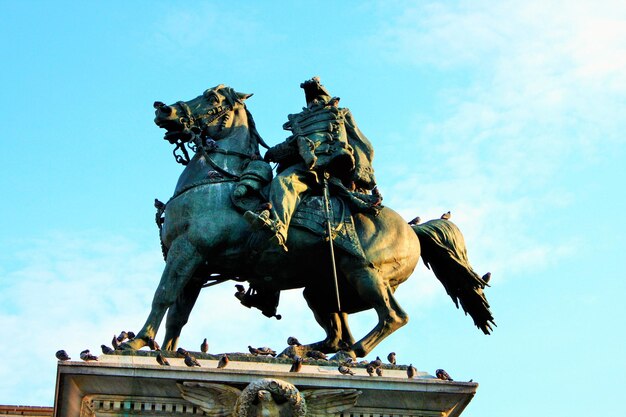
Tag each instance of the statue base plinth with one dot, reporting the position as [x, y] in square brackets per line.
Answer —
[122, 385]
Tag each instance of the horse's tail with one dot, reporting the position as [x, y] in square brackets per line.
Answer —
[443, 251]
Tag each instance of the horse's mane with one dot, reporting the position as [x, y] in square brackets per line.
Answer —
[233, 97]
[254, 133]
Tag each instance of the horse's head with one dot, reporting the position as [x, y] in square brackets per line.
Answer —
[212, 115]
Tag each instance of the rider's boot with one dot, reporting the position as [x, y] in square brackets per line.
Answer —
[262, 222]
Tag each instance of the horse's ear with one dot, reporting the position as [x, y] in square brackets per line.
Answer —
[243, 96]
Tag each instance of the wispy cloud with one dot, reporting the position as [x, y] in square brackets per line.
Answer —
[541, 97]
[68, 292]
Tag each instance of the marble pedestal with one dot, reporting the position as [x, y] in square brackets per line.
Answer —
[120, 385]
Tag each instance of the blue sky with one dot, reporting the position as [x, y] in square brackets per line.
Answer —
[509, 114]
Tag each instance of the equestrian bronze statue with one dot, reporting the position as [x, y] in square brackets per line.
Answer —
[232, 218]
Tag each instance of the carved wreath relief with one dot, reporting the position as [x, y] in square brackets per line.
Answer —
[268, 397]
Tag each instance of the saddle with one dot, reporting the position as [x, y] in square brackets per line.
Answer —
[310, 214]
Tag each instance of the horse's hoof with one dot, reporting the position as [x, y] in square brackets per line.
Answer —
[134, 344]
[358, 350]
[125, 346]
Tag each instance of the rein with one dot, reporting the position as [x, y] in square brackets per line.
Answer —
[198, 184]
[205, 146]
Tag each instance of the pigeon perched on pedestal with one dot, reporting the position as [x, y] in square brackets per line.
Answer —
[443, 375]
[87, 356]
[62, 355]
[106, 350]
[411, 371]
[316, 354]
[191, 361]
[296, 366]
[223, 361]
[377, 363]
[262, 351]
[181, 352]
[161, 360]
[379, 371]
[370, 370]
[344, 370]
[292, 341]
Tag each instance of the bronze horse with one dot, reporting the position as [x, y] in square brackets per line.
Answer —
[205, 236]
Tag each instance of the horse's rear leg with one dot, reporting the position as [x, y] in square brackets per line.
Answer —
[182, 261]
[335, 324]
[374, 291]
[178, 313]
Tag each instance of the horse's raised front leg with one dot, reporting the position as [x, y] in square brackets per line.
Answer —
[182, 261]
[178, 313]
[372, 288]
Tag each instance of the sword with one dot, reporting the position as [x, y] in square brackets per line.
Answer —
[330, 238]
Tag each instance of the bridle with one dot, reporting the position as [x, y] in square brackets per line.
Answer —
[196, 128]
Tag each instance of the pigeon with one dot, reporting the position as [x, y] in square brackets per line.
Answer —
[262, 351]
[106, 350]
[204, 347]
[292, 341]
[415, 221]
[377, 363]
[191, 361]
[411, 371]
[87, 356]
[223, 361]
[379, 371]
[370, 370]
[115, 343]
[123, 336]
[446, 216]
[349, 362]
[153, 345]
[296, 366]
[161, 360]
[392, 358]
[130, 335]
[487, 277]
[181, 352]
[443, 375]
[62, 355]
[316, 354]
[344, 370]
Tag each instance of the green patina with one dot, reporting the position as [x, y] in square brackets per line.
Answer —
[229, 217]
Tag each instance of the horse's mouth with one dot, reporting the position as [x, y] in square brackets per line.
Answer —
[216, 110]
[174, 136]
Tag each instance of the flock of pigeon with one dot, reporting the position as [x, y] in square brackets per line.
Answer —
[373, 367]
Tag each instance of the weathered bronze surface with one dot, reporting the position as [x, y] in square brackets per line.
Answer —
[207, 240]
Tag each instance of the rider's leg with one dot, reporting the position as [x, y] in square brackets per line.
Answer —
[285, 194]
